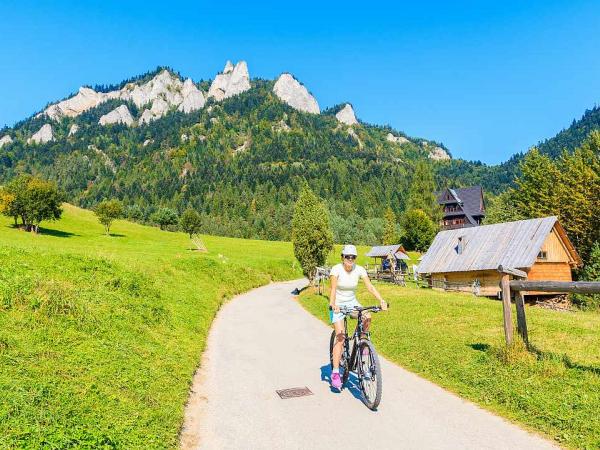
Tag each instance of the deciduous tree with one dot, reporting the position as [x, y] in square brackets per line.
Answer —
[107, 212]
[190, 222]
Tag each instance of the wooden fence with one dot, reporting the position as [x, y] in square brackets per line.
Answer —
[519, 287]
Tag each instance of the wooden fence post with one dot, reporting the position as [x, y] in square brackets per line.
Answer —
[521, 318]
[506, 308]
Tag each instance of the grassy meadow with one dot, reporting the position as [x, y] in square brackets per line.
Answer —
[100, 335]
[456, 341]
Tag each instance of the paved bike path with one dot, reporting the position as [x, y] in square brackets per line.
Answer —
[264, 340]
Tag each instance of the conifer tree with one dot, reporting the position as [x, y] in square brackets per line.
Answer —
[590, 272]
[421, 194]
[311, 233]
[535, 193]
[389, 232]
[419, 230]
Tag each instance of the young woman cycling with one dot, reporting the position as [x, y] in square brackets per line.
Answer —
[344, 281]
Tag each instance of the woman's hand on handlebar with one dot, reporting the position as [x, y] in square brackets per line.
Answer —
[384, 305]
[334, 308]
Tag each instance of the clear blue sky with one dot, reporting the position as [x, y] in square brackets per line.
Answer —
[487, 79]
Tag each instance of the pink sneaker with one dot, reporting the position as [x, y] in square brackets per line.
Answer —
[336, 381]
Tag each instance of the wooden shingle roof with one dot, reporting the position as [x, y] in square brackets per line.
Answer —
[382, 251]
[510, 244]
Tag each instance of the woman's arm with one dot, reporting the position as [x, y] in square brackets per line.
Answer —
[374, 291]
[334, 280]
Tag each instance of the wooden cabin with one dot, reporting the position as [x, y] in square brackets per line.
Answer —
[379, 270]
[461, 208]
[467, 259]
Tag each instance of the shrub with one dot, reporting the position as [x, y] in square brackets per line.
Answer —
[164, 217]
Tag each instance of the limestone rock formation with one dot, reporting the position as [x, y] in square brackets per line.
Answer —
[163, 91]
[120, 114]
[288, 89]
[85, 99]
[165, 86]
[193, 99]
[5, 140]
[232, 81]
[74, 128]
[438, 153]
[346, 115]
[396, 139]
[43, 135]
[159, 108]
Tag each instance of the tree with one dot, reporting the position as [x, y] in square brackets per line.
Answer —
[501, 208]
[390, 235]
[31, 199]
[135, 213]
[419, 230]
[190, 222]
[164, 217]
[421, 194]
[590, 272]
[568, 188]
[535, 192]
[42, 202]
[311, 232]
[107, 211]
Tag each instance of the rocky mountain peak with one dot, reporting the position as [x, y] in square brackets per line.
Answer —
[292, 92]
[233, 81]
[43, 135]
[120, 114]
[346, 115]
[438, 153]
[5, 140]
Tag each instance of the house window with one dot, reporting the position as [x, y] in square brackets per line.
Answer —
[543, 254]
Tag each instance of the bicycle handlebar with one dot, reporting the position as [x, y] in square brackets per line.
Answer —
[346, 310]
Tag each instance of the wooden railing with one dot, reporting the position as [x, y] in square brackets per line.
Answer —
[519, 287]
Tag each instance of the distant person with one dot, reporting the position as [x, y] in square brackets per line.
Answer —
[344, 281]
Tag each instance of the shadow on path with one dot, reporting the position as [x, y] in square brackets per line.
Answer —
[352, 385]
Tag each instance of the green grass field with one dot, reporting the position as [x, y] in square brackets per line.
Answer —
[456, 341]
[100, 335]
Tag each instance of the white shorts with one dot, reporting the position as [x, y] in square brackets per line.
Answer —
[336, 317]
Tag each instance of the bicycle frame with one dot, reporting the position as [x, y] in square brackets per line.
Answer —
[352, 358]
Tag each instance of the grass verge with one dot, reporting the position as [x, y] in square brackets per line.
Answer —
[100, 335]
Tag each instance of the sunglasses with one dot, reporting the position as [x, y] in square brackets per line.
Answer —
[350, 257]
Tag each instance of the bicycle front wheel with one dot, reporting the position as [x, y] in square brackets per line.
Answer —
[369, 374]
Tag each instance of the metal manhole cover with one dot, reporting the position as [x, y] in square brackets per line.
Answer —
[294, 392]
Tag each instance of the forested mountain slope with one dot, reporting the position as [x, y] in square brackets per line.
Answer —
[236, 149]
[574, 135]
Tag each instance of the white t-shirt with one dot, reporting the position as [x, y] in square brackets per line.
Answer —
[346, 282]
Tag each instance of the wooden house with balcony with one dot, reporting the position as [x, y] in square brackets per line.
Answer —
[462, 207]
[467, 259]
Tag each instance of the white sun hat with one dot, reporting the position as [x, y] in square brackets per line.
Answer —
[349, 250]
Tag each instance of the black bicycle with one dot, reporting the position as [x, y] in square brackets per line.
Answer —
[363, 359]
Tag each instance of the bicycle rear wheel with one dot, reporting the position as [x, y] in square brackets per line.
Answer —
[369, 374]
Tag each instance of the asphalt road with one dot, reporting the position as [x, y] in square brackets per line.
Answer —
[264, 340]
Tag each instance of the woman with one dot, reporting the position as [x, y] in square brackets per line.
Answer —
[344, 280]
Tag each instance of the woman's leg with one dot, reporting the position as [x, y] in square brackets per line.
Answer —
[366, 320]
[338, 346]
